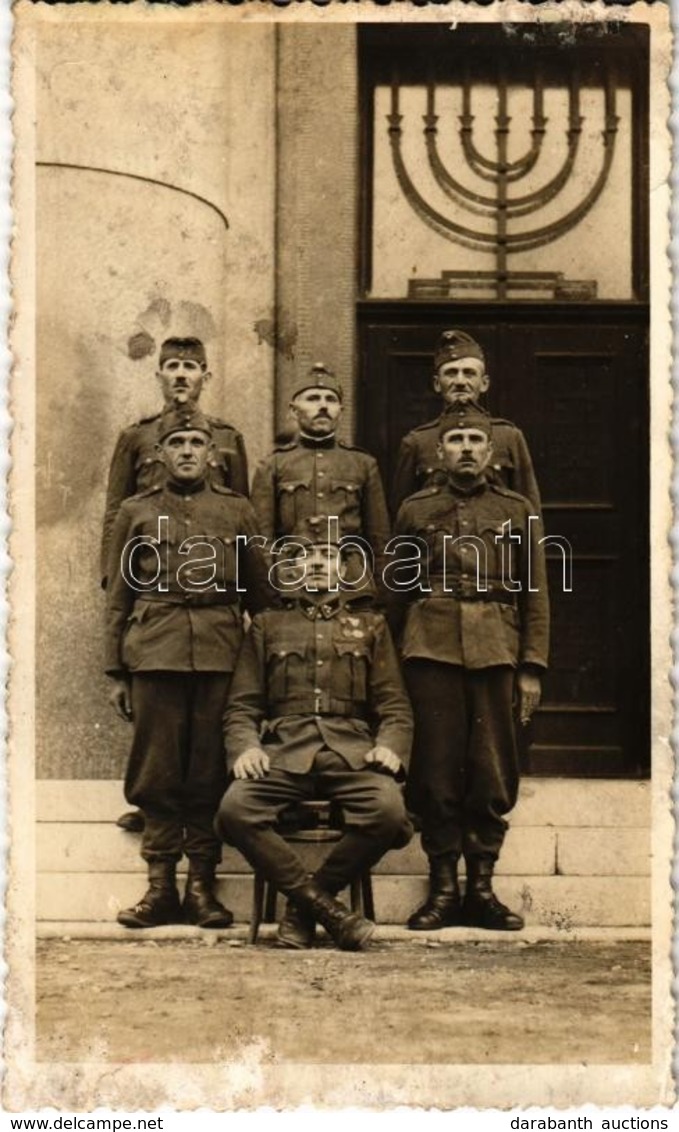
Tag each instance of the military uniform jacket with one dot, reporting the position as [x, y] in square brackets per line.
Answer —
[182, 610]
[136, 466]
[418, 463]
[494, 606]
[314, 675]
[301, 484]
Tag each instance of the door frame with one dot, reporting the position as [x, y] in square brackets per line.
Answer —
[372, 394]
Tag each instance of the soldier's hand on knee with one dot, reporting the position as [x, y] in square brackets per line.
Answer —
[381, 758]
[528, 690]
[121, 699]
[253, 763]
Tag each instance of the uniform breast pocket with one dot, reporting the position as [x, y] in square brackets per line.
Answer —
[345, 501]
[286, 671]
[207, 563]
[350, 673]
[433, 535]
[500, 548]
[150, 552]
[293, 503]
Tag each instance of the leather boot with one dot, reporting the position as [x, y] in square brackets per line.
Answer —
[200, 904]
[297, 928]
[132, 821]
[159, 904]
[443, 907]
[349, 930]
[481, 908]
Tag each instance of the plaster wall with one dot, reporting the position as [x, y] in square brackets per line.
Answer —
[122, 264]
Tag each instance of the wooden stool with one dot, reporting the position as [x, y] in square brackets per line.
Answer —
[316, 823]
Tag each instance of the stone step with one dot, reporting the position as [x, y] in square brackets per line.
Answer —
[554, 901]
[102, 847]
[577, 853]
[562, 802]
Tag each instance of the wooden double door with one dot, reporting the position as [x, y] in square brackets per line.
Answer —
[574, 378]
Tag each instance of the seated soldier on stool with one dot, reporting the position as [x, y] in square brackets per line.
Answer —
[311, 681]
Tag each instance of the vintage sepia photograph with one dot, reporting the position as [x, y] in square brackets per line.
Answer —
[339, 767]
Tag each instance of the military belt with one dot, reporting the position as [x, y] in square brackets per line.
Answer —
[190, 599]
[310, 705]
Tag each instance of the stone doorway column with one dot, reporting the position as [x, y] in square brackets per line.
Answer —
[317, 132]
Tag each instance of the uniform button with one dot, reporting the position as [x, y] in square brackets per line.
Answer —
[320, 474]
[320, 494]
[464, 550]
[464, 577]
[317, 692]
[320, 455]
[319, 663]
[464, 523]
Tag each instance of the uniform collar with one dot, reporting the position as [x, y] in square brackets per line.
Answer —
[320, 605]
[465, 405]
[316, 442]
[185, 488]
[477, 489]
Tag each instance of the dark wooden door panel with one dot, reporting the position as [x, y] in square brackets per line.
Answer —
[575, 381]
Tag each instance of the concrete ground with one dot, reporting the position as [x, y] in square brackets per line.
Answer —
[461, 996]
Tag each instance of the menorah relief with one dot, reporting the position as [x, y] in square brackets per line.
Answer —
[496, 189]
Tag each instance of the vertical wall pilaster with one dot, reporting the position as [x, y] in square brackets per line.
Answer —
[316, 206]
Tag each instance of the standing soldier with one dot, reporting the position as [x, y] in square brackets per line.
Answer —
[137, 465]
[321, 674]
[316, 478]
[174, 627]
[460, 378]
[474, 642]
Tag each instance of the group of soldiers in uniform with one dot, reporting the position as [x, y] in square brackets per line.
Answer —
[263, 661]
